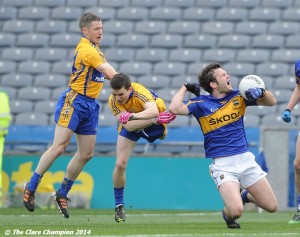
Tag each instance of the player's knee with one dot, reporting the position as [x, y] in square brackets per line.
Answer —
[272, 207]
[236, 212]
[120, 166]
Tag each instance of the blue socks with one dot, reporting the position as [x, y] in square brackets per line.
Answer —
[119, 196]
[298, 203]
[244, 196]
[65, 187]
[34, 181]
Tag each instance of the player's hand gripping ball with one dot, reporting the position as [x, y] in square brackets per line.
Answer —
[252, 87]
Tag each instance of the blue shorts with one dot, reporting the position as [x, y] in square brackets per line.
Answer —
[77, 112]
[150, 133]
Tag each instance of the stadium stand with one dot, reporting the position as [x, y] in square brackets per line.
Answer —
[160, 43]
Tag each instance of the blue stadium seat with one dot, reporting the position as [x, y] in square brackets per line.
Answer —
[244, 3]
[34, 67]
[107, 119]
[272, 69]
[264, 14]
[49, 3]
[239, 69]
[114, 3]
[166, 41]
[282, 95]
[57, 92]
[277, 4]
[184, 27]
[17, 3]
[185, 55]
[151, 27]
[18, 26]
[17, 54]
[50, 54]
[146, 3]
[231, 14]
[20, 106]
[179, 3]
[34, 93]
[34, 13]
[51, 80]
[120, 54]
[132, 40]
[234, 41]
[7, 39]
[165, 14]
[291, 41]
[154, 82]
[118, 27]
[267, 41]
[169, 68]
[7, 13]
[51, 26]
[198, 14]
[106, 13]
[151, 55]
[217, 27]
[7, 66]
[291, 14]
[178, 81]
[211, 3]
[261, 110]
[82, 3]
[33, 40]
[253, 55]
[17, 80]
[284, 82]
[274, 120]
[108, 41]
[31, 118]
[65, 40]
[62, 67]
[66, 13]
[284, 28]
[221, 55]
[136, 68]
[132, 14]
[45, 106]
[285, 55]
[251, 27]
[200, 41]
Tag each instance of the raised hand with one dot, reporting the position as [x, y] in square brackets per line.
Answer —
[286, 116]
[193, 88]
[254, 93]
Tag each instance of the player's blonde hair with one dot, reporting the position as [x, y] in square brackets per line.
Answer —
[86, 19]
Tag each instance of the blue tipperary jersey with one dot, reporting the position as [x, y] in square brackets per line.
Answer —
[221, 121]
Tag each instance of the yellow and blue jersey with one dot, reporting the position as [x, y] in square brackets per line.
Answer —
[221, 121]
[139, 96]
[85, 79]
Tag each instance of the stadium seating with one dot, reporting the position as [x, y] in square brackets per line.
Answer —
[159, 43]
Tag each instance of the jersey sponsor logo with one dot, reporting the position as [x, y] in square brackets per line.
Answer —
[98, 79]
[224, 118]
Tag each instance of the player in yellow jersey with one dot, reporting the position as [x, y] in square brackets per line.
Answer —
[141, 115]
[76, 112]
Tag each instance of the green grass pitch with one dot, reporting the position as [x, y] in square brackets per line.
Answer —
[90, 222]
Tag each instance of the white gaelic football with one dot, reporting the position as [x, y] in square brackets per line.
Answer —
[250, 81]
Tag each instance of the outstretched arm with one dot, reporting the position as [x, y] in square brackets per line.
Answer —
[177, 106]
[267, 99]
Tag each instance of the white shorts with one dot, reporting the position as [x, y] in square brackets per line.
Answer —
[241, 168]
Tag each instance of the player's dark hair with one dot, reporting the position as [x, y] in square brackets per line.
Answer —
[206, 76]
[119, 81]
[86, 19]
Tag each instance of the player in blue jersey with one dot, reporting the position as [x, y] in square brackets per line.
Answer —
[142, 115]
[220, 115]
[287, 117]
[76, 112]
